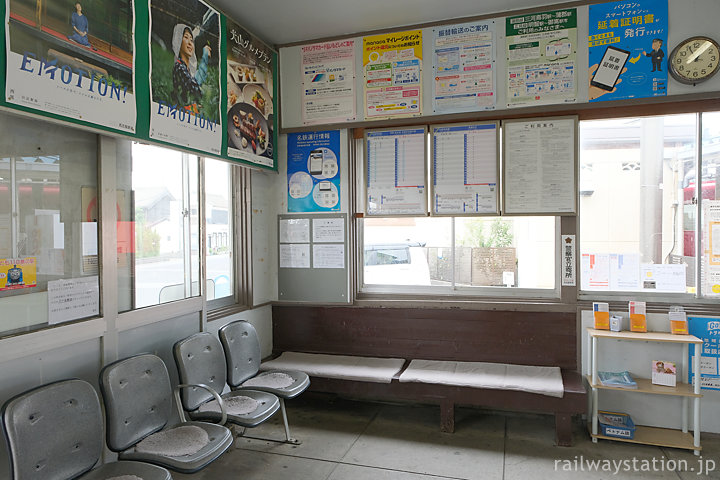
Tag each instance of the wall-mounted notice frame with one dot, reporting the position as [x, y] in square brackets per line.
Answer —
[328, 88]
[541, 56]
[540, 166]
[392, 85]
[465, 169]
[464, 67]
[395, 172]
[315, 268]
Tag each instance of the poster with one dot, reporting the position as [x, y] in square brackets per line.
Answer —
[18, 273]
[73, 59]
[627, 50]
[328, 89]
[313, 170]
[184, 74]
[707, 330]
[393, 75]
[541, 58]
[251, 106]
[463, 67]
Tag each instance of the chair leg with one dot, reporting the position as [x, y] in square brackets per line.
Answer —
[288, 438]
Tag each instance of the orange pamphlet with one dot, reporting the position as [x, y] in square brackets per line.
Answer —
[601, 313]
[638, 322]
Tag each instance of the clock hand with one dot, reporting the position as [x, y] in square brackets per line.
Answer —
[698, 52]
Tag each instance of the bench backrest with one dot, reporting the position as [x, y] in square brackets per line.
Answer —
[525, 338]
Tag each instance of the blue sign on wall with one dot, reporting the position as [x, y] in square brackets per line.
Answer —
[628, 49]
[707, 330]
[314, 171]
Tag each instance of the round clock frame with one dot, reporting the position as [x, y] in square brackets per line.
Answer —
[676, 57]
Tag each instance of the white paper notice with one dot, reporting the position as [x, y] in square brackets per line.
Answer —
[73, 299]
[624, 271]
[396, 172]
[329, 256]
[595, 271]
[540, 166]
[295, 255]
[465, 169]
[328, 89]
[328, 230]
[295, 230]
[663, 277]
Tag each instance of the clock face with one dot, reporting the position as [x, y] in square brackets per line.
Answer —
[694, 60]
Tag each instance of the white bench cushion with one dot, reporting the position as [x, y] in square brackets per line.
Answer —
[366, 369]
[499, 376]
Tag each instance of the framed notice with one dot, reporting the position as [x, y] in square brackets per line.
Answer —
[395, 166]
[465, 169]
[539, 166]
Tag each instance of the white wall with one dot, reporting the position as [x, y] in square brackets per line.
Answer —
[687, 18]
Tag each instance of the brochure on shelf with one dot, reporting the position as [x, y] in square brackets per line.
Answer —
[664, 373]
[617, 379]
[601, 313]
[678, 322]
[638, 321]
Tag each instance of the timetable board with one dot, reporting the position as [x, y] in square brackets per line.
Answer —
[539, 166]
[465, 169]
[395, 172]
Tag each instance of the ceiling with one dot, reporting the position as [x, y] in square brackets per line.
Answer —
[280, 22]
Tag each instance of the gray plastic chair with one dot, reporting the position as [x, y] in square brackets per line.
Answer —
[56, 432]
[242, 351]
[138, 404]
[200, 360]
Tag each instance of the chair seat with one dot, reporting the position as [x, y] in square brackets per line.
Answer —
[267, 405]
[220, 440]
[145, 471]
[301, 381]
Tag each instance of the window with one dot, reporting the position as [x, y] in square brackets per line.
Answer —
[219, 248]
[638, 203]
[48, 223]
[707, 189]
[459, 255]
[158, 227]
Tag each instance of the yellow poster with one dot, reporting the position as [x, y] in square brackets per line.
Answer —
[393, 75]
[18, 273]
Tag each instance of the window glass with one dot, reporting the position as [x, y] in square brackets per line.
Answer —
[637, 227]
[486, 252]
[710, 181]
[158, 247]
[48, 224]
[218, 227]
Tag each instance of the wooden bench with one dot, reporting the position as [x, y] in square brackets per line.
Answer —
[524, 338]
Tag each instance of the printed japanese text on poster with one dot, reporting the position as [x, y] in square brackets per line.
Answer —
[185, 74]
[251, 106]
[393, 74]
[707, 330]
[18, 273]
[541, 58]
[464, 67]
[313, 170]
[72, 61]
[627, 49]
[328, 89]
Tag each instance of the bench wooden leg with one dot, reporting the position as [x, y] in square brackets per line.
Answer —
[563, 429]
[447, 415]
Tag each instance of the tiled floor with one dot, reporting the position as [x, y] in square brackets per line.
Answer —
[345, 440]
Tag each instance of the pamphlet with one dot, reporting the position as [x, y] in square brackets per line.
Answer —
[664, 373]
[601, 313]
[638, 322]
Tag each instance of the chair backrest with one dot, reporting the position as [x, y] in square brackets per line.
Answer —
[200, 359]
[242, 351]
[54, 432]
[138, 399]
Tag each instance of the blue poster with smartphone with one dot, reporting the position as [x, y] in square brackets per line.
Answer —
[313, 171]
[628, 50]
